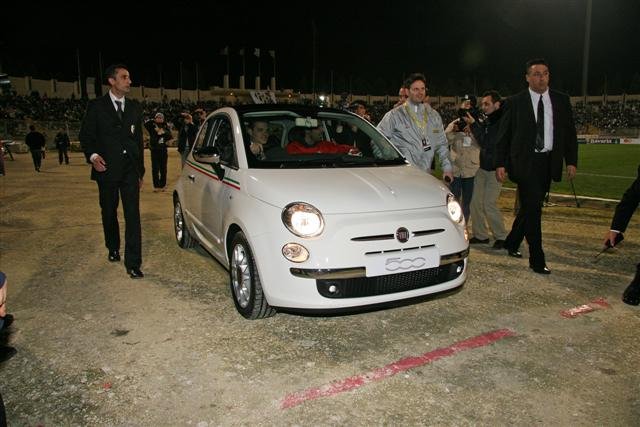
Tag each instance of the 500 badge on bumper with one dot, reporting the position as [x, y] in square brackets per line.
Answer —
[402, 261]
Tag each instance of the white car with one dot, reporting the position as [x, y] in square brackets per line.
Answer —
[320, 212]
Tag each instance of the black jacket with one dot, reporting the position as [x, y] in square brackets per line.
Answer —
[102, 132]
[486, 133]
[35, 140]
[155, 137]
[517, 135]
[62, 140]
[627, 206]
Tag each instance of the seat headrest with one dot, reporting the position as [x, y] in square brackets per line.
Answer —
[296, 133]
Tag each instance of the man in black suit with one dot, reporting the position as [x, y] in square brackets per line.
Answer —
[111, 138]
[624, 211]
[536, 135]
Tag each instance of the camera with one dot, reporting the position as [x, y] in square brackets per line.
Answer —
[477, 115]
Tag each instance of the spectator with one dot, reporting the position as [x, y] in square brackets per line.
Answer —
[403, 94]
[35, 140]
[486, 188]
[465, 157]
[62, 144]
[159, 135]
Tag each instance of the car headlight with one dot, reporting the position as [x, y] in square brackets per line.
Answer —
[302, 219]
[454, 208]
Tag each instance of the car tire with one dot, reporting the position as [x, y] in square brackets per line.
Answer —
[244, 279]
[183, 237]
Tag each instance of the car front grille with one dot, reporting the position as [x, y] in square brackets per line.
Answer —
[381, 285]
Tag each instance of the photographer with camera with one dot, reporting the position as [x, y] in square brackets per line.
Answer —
[159, 135]
[464, 153]
[486, 188]
[187, 135]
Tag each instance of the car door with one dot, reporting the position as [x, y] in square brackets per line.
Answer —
[216, 191]
[194, 176]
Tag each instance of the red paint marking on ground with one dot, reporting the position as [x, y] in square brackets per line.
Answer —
[594, 305]
[601, 302]
[391, 369]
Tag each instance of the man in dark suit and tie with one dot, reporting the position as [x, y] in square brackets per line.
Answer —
[111, 138]
[536, 135]
[624, 211]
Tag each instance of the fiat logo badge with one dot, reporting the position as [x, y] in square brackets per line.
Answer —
[402, 234]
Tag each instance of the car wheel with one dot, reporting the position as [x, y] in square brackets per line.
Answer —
[246, 287]
[184, 238]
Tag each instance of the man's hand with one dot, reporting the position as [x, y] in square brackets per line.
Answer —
[571, 172]
[99, 163]
[446, 175]
[469, 119]
[451, 127]
[256, 148]
[501, 174]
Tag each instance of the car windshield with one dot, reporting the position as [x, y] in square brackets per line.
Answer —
[285, 139]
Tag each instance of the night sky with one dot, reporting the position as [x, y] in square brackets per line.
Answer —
[461, 46]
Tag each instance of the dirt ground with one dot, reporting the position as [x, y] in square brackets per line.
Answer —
[97, 348]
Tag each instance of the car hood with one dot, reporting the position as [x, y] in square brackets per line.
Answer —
[352, 190]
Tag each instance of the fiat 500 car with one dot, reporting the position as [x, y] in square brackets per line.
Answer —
[314, 209]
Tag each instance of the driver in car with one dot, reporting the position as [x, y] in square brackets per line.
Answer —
[311, 141]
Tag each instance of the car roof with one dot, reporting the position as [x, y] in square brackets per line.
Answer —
[304, 110]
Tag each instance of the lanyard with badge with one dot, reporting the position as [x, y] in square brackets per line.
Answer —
[422, 125]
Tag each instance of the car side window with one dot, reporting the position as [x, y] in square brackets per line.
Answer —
[204, 135]
[223, 140]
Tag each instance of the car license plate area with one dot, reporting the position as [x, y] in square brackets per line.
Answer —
[395, 262]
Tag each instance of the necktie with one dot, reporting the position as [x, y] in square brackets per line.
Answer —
[119, 111]
[540, 126]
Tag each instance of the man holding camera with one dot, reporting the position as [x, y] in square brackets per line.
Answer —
[416, 129]
[486, 187]
[159, 135]
[464, 154]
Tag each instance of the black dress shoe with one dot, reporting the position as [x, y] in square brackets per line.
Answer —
[631, 295]
[476, 240]
[114, 256]
[541, 270]
[6, 321]
[135, 273]
[514, 253]
[7, 353]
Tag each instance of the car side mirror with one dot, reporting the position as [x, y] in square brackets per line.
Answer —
[209, 155]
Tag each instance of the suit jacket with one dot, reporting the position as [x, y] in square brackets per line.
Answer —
[517, 136]
[627, 206]
[102, 132]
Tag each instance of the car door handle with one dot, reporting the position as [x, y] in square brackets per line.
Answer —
[192, 178]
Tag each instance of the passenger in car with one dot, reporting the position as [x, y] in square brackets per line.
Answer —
[260, 140]
[310, 141]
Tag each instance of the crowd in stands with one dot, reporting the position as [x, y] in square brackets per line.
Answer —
[607, 117]
[604, 117]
